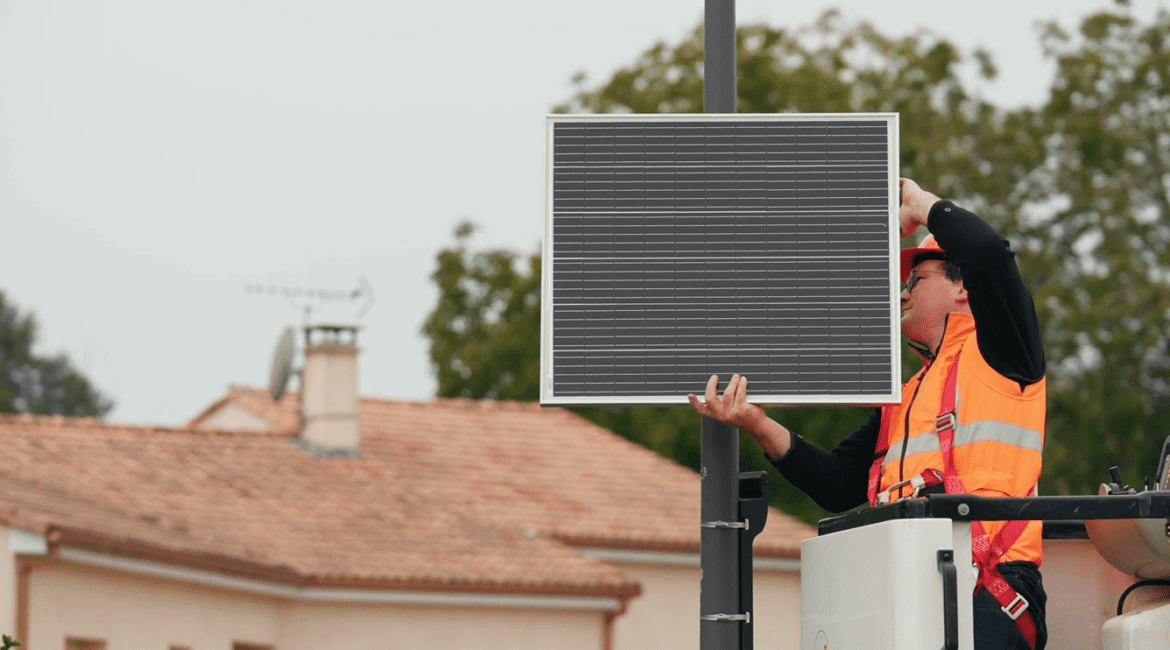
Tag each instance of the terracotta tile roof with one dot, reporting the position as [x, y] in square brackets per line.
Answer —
[532, 465]
[451, 494]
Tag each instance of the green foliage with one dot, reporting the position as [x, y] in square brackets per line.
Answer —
[40, 385]
[1079, 186]
[1095, 225]
[485, 331]
[9, 642]
[950, 140]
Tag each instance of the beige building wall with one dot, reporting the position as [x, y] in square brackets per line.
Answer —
[313, 626]
[1082, 593]
[8, 585]
[130, 611]
[777, 597]
[666, 615]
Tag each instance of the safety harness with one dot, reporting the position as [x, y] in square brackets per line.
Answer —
[985, 552]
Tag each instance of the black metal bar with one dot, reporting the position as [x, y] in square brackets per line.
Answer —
[904, 509]
[753, 511]
[966, 507]
[719, 608]
[1059, 510]
[946, 566]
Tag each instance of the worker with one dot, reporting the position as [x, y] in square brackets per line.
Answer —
[966, 311]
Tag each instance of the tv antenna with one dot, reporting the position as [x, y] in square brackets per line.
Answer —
[308, 298]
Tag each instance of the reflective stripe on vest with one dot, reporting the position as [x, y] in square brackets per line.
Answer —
[968, 434]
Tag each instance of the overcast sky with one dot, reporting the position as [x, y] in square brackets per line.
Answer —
[158, 158]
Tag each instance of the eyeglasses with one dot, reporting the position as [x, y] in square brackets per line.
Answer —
[915, 276]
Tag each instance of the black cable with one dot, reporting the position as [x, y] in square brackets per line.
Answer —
[1140, 583]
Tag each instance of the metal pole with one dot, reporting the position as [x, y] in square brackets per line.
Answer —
[720, 615]
[719, 95]
[719, 607]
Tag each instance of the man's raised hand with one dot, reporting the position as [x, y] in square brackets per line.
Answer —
[733, 408]
[915, 208]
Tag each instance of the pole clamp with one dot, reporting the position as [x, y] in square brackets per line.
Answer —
[724, 524]
[746, 618]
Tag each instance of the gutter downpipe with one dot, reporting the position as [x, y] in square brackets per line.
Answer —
[607, 633]
[24, 580]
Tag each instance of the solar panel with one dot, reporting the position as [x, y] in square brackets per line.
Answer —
[681, 246]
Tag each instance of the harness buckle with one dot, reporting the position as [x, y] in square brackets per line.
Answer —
[916, 482]
[945, 421]
[1016, 607]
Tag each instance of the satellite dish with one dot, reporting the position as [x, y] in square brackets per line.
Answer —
[282, 360]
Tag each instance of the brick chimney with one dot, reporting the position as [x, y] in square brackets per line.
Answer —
[329, 395]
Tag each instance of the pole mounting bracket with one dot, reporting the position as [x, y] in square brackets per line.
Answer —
[724, 524]
[746, 618]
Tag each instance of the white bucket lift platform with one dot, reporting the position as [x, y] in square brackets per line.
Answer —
[893, 578]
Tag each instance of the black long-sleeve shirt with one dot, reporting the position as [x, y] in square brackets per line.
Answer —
[1007, 331]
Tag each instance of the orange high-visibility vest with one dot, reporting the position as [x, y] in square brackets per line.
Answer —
[998, 441]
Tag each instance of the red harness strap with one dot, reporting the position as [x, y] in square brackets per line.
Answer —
[984, 551]
[879, 455]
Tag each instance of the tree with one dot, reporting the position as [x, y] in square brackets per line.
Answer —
[1095, 224]
[40, 385]
[950, 140]
[485, 330]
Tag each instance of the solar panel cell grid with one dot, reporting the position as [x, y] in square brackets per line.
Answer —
[688, 248]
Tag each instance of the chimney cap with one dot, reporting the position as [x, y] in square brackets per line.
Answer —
[327, 326]
[332, 334]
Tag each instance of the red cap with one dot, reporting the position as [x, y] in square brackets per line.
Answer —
[909, 255]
